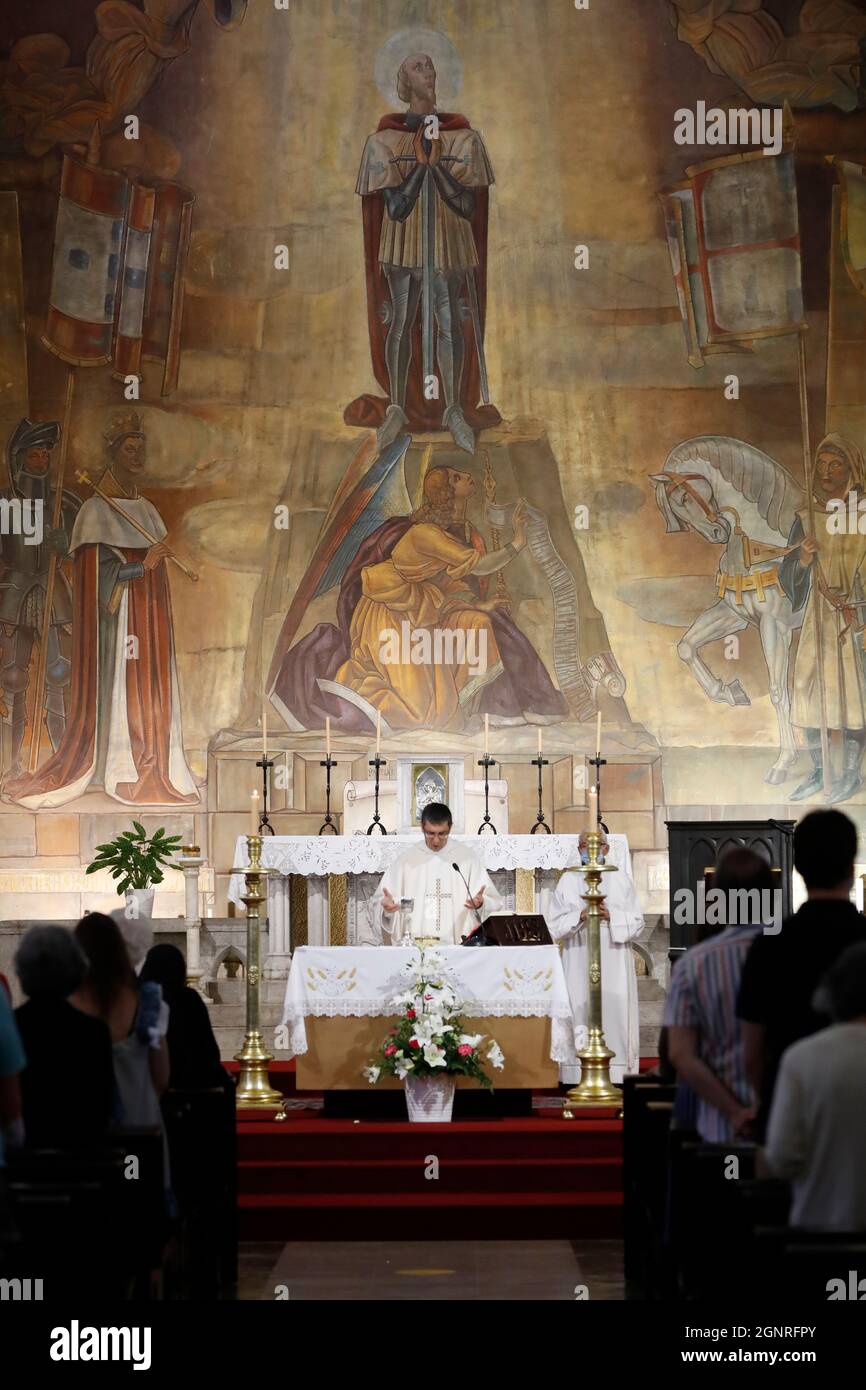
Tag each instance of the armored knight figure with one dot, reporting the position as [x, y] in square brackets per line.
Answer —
[424, 178]
[23, 581]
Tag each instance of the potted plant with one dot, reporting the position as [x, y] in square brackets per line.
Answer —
[136, 862]
[429, 1046]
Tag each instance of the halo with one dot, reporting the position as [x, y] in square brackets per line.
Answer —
[401, 45]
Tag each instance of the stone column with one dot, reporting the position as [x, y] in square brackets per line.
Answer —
[189, 865]
[279, 917]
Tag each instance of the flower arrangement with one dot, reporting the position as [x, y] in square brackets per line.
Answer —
[429, 1038]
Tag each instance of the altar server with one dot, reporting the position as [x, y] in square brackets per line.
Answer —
[622, 921]
[442, 906]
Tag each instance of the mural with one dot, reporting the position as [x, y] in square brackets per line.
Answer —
[438, 379]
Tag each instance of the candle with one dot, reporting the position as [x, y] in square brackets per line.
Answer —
[254, 813]
[539, 740]
[378, 731]
[264, 726]
[486, 734]
[598, 736]
[327, 736]
[592, 801]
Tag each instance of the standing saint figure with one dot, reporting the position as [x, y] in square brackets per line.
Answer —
[622, 921]
[124, 731]
[827, 569]
[423, 179]
[424, 874]
[24, 581]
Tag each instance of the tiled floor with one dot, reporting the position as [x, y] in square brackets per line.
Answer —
[443, 1271]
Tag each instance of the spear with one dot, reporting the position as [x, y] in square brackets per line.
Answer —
[56, 518]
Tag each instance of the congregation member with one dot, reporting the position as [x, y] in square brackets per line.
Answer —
[110, 992]
[816, 1136]
[194, 1055]
[67, 1085]
[704, 1034]
[443, 904]
[783, 969]
[622, 921]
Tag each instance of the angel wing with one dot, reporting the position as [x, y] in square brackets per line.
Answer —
[369, 494]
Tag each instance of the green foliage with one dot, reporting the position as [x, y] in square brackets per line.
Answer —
[134, 859]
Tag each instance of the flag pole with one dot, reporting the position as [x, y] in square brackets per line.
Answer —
[56, 519]
[816, 563]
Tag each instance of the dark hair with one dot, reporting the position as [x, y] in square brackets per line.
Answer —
[436, 813]
[844, 985]
[742, 868]
[165, 966]
[825, 847]
[50, 963]
[109, 966]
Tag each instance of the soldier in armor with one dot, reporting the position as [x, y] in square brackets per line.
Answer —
[23, 581]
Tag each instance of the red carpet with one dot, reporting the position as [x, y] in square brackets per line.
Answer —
[309, 1178]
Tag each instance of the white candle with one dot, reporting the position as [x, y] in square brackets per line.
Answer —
[592, 803]
[486, 734]
[327, 736]
[254, 813]
[598, 736]
[378, 731]
[264, 726]
[539, 740]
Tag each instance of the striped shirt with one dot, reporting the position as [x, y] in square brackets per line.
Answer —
[703, 995]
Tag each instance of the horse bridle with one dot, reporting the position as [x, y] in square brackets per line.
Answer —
[685, 480]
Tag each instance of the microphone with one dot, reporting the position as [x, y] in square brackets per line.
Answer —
[469, 895]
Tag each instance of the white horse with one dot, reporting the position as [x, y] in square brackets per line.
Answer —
[738, 497]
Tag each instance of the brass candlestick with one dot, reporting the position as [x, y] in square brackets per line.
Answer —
[254, 1090]
[595, 1086]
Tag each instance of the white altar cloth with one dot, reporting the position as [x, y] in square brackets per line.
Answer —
[319, 855]
[498, 982]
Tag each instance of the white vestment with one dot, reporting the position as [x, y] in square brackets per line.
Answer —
[619, 1006]
[438, 894]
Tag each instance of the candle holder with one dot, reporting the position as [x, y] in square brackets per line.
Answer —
[264, 762]
[540, 822]
[376, 823]
[328, 822]
[595, 1086]
[598, 763]
[254, 1090]
[487, 824]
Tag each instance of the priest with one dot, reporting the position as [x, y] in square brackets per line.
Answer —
[443, 905]
[622, 921]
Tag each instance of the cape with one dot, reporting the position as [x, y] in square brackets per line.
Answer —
[368, 411]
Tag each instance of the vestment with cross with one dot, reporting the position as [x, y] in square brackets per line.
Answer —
[437, 892]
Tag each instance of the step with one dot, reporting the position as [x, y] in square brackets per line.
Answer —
[439, 1216]
[365, 1176]
[319, 1139]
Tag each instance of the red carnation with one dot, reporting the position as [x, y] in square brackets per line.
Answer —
[413, 1042]
[390, 1050]
[464, 1050]
[410, 1013]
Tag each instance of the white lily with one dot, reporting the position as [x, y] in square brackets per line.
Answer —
[495, 1056]
[372, 1074]
[434, 1055]
[403, 1067]
[471, 1039]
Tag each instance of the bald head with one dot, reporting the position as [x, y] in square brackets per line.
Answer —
[416, 82]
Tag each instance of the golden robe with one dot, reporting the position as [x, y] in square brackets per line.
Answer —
[420, 584]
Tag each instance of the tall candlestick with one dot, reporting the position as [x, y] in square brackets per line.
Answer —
[598, 736]
[378, 731]
[592, 806]
[539, 740]
[486, 734]
[254, 813]
[327, 736]
[264, 725]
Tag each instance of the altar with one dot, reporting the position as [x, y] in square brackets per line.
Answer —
[320, 886]
[338, 1003]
